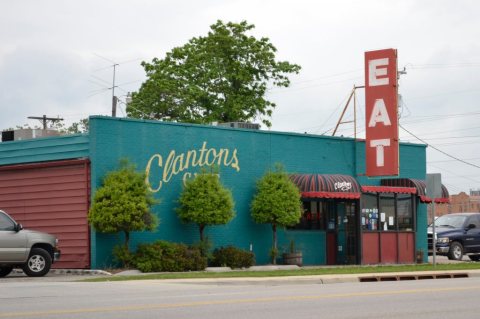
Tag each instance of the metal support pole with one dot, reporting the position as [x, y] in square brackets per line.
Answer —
[434, 235]
[114, 98]
[343, 113]
[354, 113]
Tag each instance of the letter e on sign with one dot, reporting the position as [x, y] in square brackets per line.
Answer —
[381, 107]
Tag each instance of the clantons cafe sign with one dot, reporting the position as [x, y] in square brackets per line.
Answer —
[381, 107]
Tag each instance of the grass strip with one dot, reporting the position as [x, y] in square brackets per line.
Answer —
[340, 270]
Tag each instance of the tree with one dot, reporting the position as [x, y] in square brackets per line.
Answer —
[205, 201]
[276, 202]
[220, 77]
[59, 125]
[123, 203]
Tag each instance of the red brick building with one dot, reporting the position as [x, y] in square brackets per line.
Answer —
[459, 203]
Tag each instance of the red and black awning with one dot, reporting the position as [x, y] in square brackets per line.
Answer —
[327, 186]
[389, 189]
[420, 187]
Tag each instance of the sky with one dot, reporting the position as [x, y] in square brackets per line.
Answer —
[57, 57]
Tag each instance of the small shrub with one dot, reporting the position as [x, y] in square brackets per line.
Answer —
[122, 255]
[163, 256]
[205, 247]
[233, 257]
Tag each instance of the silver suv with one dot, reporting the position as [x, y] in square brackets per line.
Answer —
[30, 250]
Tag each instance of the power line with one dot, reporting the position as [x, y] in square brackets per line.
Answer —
[438, 150]
[445, 161]
[457, 130]
[443, 65]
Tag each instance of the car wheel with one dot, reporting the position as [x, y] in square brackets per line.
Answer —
[474, 257]
[4, 271]
[456, 251]
[38, 264]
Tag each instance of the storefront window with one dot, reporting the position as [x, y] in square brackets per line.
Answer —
[387, 212]
[405, 212]
[313, 216]
[369, 212]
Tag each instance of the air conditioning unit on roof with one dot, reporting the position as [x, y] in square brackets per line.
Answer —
[244, 125]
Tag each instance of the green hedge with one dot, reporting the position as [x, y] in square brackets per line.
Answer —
[232, 257]
[163, 256]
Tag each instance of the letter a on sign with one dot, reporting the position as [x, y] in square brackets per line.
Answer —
[381, 109]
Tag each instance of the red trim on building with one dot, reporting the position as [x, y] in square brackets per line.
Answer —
[425, 199]
[330, 195]
[420, 185]
[389, 189]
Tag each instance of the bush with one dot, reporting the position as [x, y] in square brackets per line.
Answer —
[122, 255]
[233, 257]
[170, 257]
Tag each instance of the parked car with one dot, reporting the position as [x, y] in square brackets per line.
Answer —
[457, 234]
[30, 250]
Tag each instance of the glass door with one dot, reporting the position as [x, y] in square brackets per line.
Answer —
[347, 233]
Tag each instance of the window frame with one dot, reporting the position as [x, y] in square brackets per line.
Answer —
[375, 213]
[5, 218]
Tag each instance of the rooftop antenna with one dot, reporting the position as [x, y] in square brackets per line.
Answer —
[352, 95]
[114, 98]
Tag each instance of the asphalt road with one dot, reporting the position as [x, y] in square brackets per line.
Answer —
[212, 299]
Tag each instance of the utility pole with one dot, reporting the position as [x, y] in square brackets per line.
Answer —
[114, 98]
[44, 120]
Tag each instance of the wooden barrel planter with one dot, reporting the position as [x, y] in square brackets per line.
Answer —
[293, 259]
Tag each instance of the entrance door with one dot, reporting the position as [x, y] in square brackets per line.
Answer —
[351, 233]
[342, 233]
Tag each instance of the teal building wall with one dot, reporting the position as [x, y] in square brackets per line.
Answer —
[245, 155]
[44, 149]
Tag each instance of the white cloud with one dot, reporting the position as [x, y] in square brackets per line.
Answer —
[51, 60]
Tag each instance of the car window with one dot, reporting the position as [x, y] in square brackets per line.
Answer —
[450, 221]
[475, 220]
[6, 223]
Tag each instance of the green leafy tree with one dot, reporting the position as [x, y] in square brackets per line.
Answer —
[205, 201]
[75, 128]
[123, 203]
[219, 77]
[276, 202]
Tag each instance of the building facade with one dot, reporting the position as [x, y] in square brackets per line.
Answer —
[348, 218]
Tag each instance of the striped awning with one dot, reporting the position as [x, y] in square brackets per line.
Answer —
[420, 185]
[389, 189]
[327, 186]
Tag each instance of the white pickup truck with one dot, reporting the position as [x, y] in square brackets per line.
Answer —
[30, 250]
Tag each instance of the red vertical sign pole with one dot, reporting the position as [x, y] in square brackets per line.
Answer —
[381, 110]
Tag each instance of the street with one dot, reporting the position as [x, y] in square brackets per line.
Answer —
[220, 298]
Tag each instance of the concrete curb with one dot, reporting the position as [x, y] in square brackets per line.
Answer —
[77, 272]
[83, 272]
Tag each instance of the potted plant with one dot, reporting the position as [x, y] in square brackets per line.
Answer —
[293, 256]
